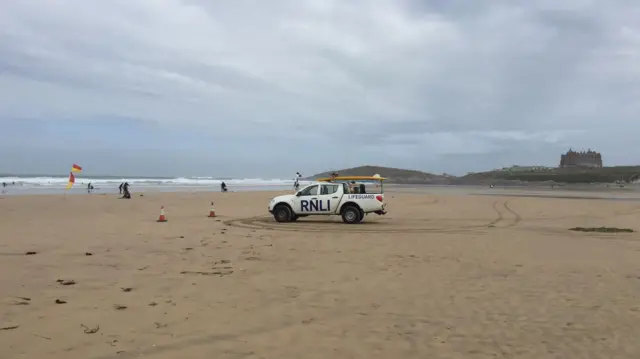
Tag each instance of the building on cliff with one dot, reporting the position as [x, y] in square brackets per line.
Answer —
[581, 159]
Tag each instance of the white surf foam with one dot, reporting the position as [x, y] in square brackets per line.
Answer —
[55, 181]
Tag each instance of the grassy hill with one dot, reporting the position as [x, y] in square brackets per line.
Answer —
[395, 175]
[558, 175]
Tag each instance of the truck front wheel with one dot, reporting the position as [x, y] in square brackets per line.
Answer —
[282, 214]
[351, 215]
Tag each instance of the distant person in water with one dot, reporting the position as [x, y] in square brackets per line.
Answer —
[89, 188]
[125, 188]
[223, 187]
[4, 184]
[120, 187]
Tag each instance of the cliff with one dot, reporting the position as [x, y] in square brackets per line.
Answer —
[621, 174]
[558, 175]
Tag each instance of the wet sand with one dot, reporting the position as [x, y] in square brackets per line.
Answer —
[441, 276]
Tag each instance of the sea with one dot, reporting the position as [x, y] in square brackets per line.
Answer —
[44, 184]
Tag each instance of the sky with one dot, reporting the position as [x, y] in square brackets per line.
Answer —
[267, 88]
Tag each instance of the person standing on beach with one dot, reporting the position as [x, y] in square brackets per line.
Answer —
[121, 187]
[125, 188]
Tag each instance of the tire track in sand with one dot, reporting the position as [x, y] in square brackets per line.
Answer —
[328, 226]
[268, 223]
[502, 208]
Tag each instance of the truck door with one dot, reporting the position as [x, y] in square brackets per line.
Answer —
[329, 198]
[306, 201]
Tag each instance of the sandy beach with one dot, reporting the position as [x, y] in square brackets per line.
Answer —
[441, 276]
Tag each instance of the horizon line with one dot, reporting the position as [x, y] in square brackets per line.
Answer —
[80, 175]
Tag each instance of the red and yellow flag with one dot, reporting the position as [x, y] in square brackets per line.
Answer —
[72, 180]
[76, 168]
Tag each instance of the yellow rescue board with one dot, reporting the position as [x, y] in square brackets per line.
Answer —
[351, 178]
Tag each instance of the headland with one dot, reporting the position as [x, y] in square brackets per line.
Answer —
[578, 169]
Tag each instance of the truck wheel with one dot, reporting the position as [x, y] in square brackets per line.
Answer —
[351, 215]
[361, 215]
[282, 214]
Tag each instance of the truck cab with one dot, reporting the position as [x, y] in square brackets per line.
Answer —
[350, 200]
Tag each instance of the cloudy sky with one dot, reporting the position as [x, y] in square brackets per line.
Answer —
[267, 88]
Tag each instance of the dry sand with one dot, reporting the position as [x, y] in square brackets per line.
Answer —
[439, 277]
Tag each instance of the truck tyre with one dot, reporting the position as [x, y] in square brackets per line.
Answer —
[361, 215]
[282, 213]
[351, 215]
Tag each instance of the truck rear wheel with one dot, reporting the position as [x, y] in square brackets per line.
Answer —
[351, 215]
[282, 213]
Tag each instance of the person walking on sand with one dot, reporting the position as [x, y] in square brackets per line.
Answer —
[125, 188]
[120, 187]
[296, 182]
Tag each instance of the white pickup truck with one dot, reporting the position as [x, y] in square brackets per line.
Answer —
[331, 198]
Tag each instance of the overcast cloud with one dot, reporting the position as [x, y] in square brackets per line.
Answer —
[250, 88]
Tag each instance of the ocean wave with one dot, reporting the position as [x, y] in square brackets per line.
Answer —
[56, 181]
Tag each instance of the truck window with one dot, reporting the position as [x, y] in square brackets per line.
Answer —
[371, 187]
[345, 188]
[310, 191]
[329, 189]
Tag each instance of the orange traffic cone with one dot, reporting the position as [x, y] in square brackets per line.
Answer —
[212, 212]
[162, 217]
